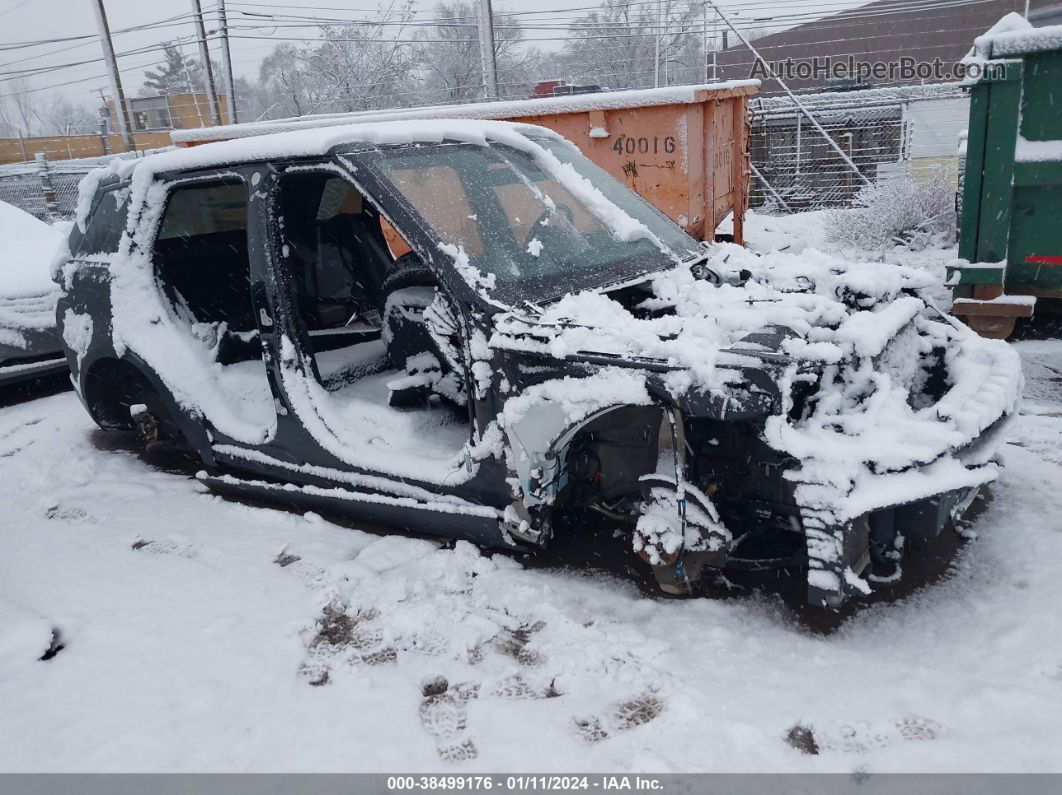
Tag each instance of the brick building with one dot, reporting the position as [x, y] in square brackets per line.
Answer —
[170, 112]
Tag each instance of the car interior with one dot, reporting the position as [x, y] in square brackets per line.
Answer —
[201, 258]
[207, 223]
[348, 286]
[337, 262]
[336, 259]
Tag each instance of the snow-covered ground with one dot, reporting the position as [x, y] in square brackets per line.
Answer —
[200, 633]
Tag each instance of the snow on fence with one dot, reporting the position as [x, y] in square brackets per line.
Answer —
[910, 131]
[47, 189]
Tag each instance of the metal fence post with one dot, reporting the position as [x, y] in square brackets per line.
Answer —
[51, 207]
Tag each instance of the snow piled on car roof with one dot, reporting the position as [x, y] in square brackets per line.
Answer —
[302, 143]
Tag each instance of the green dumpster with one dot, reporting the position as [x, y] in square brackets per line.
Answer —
[1010, 230]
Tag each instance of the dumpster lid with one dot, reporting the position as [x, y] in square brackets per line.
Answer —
[1013, 35]
[605, 100]
[1021, 42]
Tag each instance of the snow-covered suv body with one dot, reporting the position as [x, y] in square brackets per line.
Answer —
[551, 343]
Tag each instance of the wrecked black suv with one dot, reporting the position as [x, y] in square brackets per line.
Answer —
[466, 328]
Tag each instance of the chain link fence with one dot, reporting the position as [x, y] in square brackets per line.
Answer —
[911, 132]
[47, 189]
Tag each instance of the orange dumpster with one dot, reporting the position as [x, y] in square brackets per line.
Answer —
[684, 148]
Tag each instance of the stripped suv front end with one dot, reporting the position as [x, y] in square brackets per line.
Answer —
[783, 413]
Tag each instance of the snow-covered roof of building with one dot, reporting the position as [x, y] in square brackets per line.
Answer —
[523, 108]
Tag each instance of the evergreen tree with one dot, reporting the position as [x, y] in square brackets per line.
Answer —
[175, 74]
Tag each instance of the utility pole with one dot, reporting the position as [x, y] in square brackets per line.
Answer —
[121, 109]
[208, 70]
[704, 39]
[715, 45]
[229, 79]
[656, 53]
[105, 121]
[487, 58]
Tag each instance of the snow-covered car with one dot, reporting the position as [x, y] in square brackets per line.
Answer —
[29, 345]
[551, 343]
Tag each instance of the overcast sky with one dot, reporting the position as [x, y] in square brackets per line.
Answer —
[34, 20]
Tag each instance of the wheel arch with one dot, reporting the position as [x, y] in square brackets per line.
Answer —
[109, 384]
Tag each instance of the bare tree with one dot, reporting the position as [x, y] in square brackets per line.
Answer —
[355, 66]
[286, 86]
[9, 127]
[26, 112]
[359, 67]
[616, 45]
[450, 62]
[252, 100]
[20, 108]
[63, 116]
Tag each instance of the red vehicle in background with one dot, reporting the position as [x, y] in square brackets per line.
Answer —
[561, 88]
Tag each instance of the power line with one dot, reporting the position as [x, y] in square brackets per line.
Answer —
[90, 37]
[622, 28]
[627, 35]
[813, 12]
[577, 28]
[57, 67]
[15, 7]
[318, 21]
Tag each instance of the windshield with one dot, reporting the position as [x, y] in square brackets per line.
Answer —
[527, 233]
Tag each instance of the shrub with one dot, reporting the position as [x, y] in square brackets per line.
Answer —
[897, 211]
